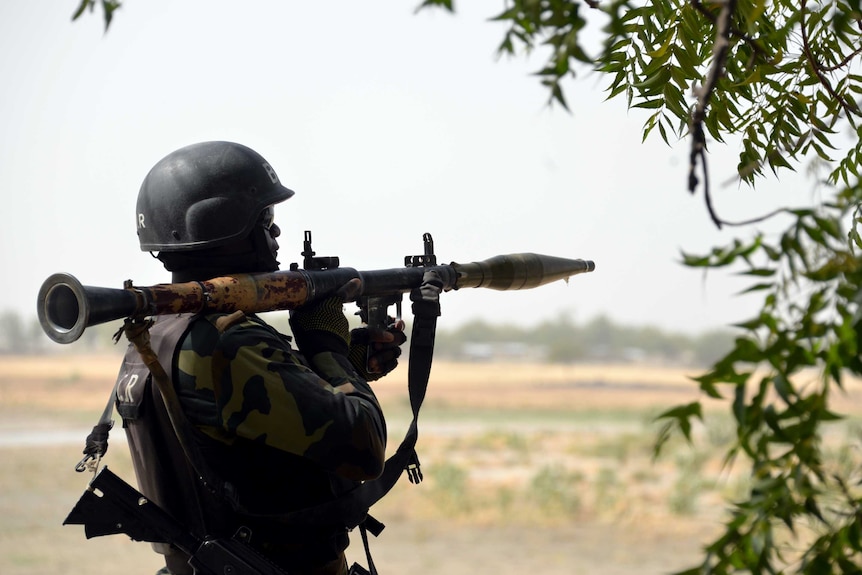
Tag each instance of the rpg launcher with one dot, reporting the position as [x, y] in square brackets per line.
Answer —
[66, 308]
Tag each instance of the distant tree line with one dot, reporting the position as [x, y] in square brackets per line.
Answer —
[560, 340]
[21, 334]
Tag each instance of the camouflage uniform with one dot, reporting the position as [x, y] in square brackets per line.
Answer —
[283, 432]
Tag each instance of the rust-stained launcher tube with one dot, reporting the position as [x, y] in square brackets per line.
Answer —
[66, 307]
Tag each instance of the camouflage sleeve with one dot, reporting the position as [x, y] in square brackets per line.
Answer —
[263, 393]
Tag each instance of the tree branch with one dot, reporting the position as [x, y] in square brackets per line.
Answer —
[720, 50]
[819, 70]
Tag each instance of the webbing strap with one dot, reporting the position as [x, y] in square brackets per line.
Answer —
[96, 444]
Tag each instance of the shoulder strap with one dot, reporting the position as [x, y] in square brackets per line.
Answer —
[96, 444]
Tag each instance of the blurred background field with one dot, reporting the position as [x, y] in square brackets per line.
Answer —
[528, 467]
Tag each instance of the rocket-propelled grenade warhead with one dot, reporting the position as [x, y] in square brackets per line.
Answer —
[518, 271]
[65, 307]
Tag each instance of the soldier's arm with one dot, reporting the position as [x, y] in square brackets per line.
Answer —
[331, 417]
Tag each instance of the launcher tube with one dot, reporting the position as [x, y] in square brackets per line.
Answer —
[65, 307]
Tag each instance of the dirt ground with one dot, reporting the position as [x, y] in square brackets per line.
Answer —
[542, 469]
[38, 488]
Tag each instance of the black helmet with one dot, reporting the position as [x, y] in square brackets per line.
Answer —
[203, 196]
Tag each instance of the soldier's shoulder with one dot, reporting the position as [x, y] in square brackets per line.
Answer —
[238, 328]
[223, 322]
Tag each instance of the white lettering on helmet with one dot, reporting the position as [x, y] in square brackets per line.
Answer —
[270, 172]
[141, 221]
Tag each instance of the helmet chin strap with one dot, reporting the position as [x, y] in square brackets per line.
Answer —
[252, 255]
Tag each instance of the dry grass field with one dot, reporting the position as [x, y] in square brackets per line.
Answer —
[528, 468]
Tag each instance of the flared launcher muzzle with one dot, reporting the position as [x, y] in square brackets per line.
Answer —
[66, 308]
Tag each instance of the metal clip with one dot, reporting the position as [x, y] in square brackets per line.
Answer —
[89, 462]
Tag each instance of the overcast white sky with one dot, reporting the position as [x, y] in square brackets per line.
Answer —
[386, 123]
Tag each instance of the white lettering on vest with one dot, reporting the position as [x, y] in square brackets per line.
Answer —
[126, 390]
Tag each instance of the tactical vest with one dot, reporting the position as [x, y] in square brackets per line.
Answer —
[166, 476]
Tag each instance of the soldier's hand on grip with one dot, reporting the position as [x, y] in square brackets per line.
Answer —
[375, 352]
[321, 326]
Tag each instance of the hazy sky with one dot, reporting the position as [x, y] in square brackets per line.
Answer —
[386, 123]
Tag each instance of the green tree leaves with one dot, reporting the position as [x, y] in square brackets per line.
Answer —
[781, 77]
[553, 24]
[780, 375]
[108, 8]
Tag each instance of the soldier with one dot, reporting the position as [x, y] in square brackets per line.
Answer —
[277, 430]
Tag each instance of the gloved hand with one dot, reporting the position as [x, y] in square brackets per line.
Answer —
[321, 326]
[385, 346]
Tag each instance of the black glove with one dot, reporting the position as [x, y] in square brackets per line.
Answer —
[385, 346]
[321, 326]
